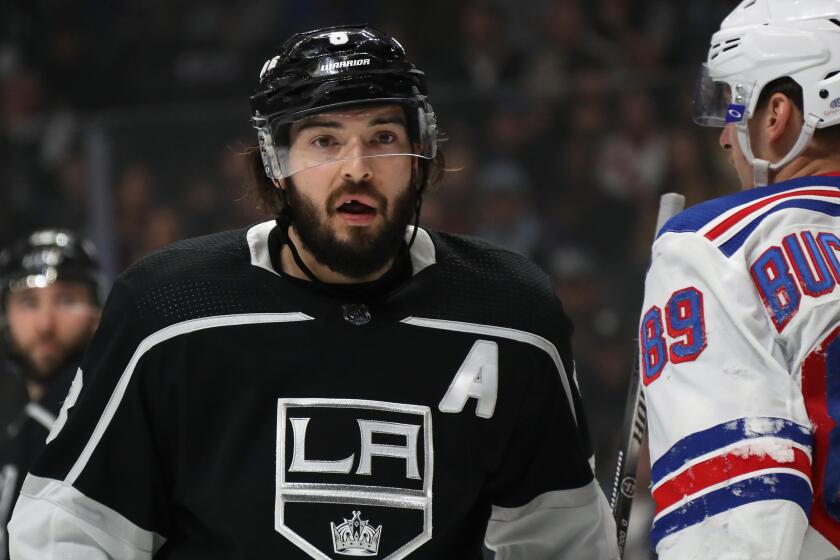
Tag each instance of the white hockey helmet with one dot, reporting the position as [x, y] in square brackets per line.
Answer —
[762, 41]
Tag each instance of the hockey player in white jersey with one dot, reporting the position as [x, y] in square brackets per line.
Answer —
[740, 330]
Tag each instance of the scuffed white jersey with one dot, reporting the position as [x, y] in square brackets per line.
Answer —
[740, 362]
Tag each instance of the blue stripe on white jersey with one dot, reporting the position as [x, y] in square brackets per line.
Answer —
[737, 241]
[703, 217]
[717, 437]
[691, 484]
[772, 486]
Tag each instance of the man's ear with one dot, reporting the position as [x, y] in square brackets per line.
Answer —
[779, 117]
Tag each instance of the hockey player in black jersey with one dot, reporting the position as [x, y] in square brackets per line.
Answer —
[335, 382]
[49, 284]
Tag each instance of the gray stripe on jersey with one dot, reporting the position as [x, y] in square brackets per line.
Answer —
[8, 483]
[40, 415]
[502, 332]
[67, 518]
[150, 342]
[561, 524]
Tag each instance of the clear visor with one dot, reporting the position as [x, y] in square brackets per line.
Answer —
[345, 135]
[714, 104]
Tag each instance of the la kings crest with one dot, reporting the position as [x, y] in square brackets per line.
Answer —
[354, 477]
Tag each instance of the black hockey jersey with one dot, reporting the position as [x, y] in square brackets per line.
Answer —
[25, 428]
[226, 411]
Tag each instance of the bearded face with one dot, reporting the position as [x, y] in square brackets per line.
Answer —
[371, 235]
[352, 198]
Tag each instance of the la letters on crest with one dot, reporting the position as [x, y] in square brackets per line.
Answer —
[336, 457]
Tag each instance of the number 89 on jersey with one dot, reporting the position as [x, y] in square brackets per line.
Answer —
[681, 337]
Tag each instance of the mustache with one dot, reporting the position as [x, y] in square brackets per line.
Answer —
[48, 339]
[349, 188]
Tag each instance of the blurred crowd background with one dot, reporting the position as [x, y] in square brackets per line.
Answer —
[565, 119]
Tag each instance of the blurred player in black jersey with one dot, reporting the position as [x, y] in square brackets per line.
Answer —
[49, 296]
[333, 382]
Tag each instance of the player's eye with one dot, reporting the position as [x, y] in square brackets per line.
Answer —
[386, 138]
[70, 300]
[323, 141]
[28, 303]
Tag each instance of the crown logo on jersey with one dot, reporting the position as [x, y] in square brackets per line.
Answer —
[355, 537]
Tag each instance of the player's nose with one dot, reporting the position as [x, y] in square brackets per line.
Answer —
[45, 319]
[357, 167]
[725, 139]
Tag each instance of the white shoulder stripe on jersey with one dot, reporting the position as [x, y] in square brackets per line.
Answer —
[150, 342]
[502, 332]
[40, 415]
[422, 252]
[8, 482]
[574, 523]
[51, 514]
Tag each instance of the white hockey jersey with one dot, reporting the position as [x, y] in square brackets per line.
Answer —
[740, 362]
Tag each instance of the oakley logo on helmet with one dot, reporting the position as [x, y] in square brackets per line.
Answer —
[735, 113]
[333, 66]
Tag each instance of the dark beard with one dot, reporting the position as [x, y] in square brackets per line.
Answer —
[366, 252]
[71, 356]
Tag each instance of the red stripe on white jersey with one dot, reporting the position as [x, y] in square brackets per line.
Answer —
[721, 468]
[814, 389]
[754, 207]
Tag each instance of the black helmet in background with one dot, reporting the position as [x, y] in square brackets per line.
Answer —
[46, 256]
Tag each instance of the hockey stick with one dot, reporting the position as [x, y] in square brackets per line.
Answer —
[635, 413]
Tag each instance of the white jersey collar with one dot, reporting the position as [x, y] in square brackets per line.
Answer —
[422, 251]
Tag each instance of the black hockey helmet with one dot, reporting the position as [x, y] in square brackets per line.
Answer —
[46, 256]
[334, 67]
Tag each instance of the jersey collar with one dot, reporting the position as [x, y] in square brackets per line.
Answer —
[422, 250]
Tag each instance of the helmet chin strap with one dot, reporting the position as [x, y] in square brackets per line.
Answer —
[762, 167]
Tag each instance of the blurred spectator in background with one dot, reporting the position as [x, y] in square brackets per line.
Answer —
[567, 46]
[633, 159]
[162, 227]
[487, 56]
[631, 168]
[508, 219]
[135, 198]
[49, 294]
[582, 285]
[455, 207]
